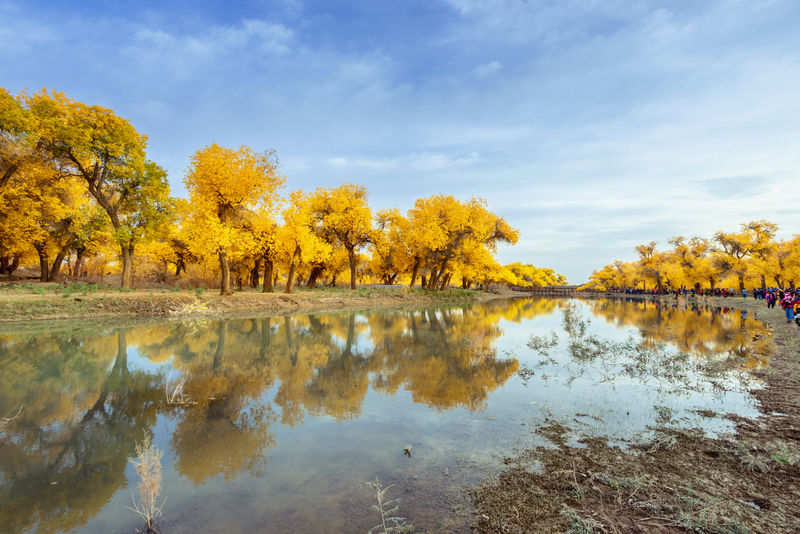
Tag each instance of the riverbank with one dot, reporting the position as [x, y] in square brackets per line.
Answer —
[46, 302]
[681, 481]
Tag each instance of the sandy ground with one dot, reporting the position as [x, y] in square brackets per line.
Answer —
[681, 482]
[47, 302]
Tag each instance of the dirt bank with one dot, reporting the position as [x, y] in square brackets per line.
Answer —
[34, 302]
[682, 481]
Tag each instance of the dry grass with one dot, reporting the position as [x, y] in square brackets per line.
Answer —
[194, 307]
[681, 480]
[148, 467]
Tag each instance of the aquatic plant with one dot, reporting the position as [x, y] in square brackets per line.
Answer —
[148, 467]
[5, 421]
[387, 509]
[543, 344]
[173, 391]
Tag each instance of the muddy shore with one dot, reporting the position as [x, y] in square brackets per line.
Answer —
[683, 481]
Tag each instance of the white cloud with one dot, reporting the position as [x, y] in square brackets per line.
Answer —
[184, 55]
[425, 161]
[481, 71]
[590, 125]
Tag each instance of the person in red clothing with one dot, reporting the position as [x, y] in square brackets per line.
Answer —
[788, 305]
[796, 309]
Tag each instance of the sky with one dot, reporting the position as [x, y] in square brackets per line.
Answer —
[590, 125]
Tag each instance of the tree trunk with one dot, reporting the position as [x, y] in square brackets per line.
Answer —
[445, 281]
[436, 274]
[268, 288]
[179, 266]
[463, 282]
[414, 274]
[312, 277]
[44, 264]
[254, 273]
[56, 269]
[433, 280]
[423, 283]
[10, 171]
[711, 281]
[4, 261]
[392, 279]
[78, 265]
[351, 255]
[127, 267]
[741, 283]
[292, 267]
[225, 282]
[763, 282]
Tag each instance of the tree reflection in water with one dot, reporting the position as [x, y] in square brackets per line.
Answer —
[87, 399]
[698, 330]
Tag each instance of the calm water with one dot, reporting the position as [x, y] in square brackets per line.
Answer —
[287, 417]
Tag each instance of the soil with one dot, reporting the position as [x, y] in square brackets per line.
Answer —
[683, 481]
[51, 301]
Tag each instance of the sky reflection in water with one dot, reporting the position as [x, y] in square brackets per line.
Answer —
[287, 416]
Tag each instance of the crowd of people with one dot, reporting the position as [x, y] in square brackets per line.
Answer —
[716, 292]
[787, 299]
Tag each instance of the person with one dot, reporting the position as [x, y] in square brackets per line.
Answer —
[771, 298]
[788, 305]
[744, 293]
[796, 309]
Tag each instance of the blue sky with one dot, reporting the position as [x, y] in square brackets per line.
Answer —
[591, 125]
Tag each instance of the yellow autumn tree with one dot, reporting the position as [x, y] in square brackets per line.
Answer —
[225, 185]
[17, 144]
[341, 216]
[296, 241]
[448, 231]
[107, 152]
[748, 258]
[391, 254]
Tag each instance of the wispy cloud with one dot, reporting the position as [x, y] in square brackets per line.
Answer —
[487, 69]
[414, 161]
[590, 125]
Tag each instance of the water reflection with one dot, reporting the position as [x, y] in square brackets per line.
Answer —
[83, 410]
[88, 396]
[698, 330]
